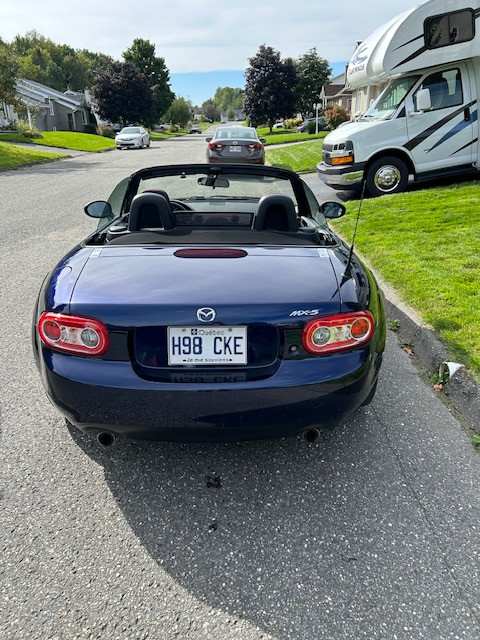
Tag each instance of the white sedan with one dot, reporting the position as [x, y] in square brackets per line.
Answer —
[131, 137]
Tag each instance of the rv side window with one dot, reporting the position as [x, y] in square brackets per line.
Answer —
[449, 28]
[445, 89]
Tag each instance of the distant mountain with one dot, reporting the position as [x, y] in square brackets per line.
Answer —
[199, 87]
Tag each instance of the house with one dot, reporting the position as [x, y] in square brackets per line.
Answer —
[337, 92]
[48, 109]
[239, 115]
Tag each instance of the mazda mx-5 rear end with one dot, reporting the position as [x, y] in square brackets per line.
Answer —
[228, 333]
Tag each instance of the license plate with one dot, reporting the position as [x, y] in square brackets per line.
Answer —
[212, 378]
[236, 149]
[207, 345]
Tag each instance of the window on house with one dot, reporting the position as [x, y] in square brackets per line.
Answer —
[449, 28]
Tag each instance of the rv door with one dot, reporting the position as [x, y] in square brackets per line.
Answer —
[443, 135]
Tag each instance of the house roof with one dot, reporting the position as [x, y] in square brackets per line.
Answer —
[35, 93]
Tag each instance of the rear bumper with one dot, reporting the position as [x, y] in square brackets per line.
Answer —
[253, 160]
[341, 177]
[105, 395]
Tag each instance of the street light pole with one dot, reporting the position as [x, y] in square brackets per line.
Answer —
[316, 106]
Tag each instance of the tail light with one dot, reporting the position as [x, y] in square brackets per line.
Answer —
[337, 333]
[215, 145]
[255, 145]
[74, 334]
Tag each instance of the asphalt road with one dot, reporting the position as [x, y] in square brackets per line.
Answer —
[371, 534]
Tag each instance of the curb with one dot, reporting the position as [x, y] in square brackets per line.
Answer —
[461, 390]
[24, 165]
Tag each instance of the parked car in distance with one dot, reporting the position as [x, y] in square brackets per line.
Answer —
[163, 127]
[132, 137]
[213, 302]
[236, 143]
[322, 124]
[279, 125]
[195, 128]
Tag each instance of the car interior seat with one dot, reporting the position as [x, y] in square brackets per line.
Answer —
[275, 212]
[150, 211]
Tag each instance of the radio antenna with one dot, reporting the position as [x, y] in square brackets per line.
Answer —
[348, 268]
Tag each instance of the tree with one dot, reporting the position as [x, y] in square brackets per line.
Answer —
[121, 94]
[142, 55]
[179, 112]
[8, 74]
[226, 98]
[57, 65]
[210, 111]
[271, 87]
[313, 73]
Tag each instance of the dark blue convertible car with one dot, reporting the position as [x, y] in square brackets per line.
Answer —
[212, 303]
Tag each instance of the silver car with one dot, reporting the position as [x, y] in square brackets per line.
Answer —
[236, 144]
[132, 137]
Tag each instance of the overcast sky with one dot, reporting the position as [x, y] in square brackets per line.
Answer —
[203, 35]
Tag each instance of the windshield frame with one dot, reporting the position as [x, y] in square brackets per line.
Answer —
[389, 112]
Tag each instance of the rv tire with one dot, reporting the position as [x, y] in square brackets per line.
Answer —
[386, 175]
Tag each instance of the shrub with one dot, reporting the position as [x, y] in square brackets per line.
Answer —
[90, 128]
[291, 123]
[311, 126]
[105, 131]
[26, 130]
[334, 115]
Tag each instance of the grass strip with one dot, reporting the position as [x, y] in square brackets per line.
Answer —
[165, 135]
[64, 140]
[288, 136]
[11, 155]
[298, 157]
[426, 245]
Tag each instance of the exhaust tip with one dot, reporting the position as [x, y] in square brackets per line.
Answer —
[106, 439]
[311, 435]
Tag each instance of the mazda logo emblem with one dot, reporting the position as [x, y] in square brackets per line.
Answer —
[206, 314]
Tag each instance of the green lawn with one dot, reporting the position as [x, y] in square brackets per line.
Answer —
[65, 140]
[298, 157]
[286, 136]
[11, 155]
[157, 135]
[426, 245]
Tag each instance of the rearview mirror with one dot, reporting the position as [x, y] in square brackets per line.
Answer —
[332, 210]
[98, 209]
[213, 181]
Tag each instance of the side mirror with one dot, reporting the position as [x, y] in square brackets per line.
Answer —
[263, 139]
[424, 100]
[98, 209]
[208, 139]
[332, 210]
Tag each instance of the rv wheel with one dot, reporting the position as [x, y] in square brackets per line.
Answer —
[386, 175]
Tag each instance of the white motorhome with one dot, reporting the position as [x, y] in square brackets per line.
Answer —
[425, 122]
